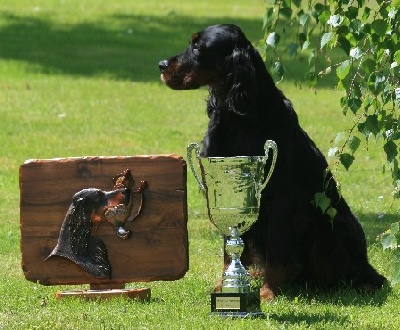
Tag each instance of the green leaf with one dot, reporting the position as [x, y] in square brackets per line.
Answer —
[319, 8]
[395, 274]
[322, 201]
[303, 19]
[356, 53]
[286, 12]
[343, 85]
[335, 20]
[326, 37]
[394, 228]
[354, 143]
[339, 137]
[352, 13]
[344, 44]
[388, 241]
[368, 100]
[372, 124]
[324, 16]
[305, 45]
[387, 93]
[376, 83]
[297, 3]
[343, 102]
[302, 37]
[366, 28]
[354, 103]
[346, 160]
[292, 49]
[311, 56]
[379, 81]
[397, 96]
[391, 151]
[331, 212]
[392, 13]
[267, 20]
[366, 13]
[343, 70]
[273, 39]
[355, 26]
[332, 152]
[279, 69]
[380, 27]
[369, 65]
[394, 66]
[397, 56]
[311, 77]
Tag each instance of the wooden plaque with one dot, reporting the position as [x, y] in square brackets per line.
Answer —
[158, 246]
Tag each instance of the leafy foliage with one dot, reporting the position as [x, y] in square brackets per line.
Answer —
[390, 240]
[368, 72]
[358, 42]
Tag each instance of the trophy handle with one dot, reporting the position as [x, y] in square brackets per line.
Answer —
[269, 144]
[195, 146]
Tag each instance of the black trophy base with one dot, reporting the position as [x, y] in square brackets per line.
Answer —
[233, 305]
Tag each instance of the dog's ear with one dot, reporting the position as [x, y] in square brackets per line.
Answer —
[241, 81]
[79, 226]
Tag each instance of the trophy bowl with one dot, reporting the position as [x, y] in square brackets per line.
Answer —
[233, 186]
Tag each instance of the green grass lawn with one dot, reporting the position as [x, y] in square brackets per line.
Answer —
[80, 78]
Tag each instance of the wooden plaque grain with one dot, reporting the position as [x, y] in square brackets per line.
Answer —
[158, 246]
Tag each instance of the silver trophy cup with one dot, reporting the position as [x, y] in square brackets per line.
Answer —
[233, 186]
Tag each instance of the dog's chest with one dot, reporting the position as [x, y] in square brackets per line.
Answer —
[234, 136]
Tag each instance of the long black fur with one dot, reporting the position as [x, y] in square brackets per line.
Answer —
[293, 239]
[75, 241]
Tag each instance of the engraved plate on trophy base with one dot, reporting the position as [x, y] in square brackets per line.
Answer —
[236, 304]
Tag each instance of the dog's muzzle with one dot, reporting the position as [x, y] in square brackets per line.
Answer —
[163, 65]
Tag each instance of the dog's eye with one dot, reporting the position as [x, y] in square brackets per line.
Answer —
[99, 196]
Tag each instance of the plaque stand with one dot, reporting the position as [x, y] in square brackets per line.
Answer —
[106, 291]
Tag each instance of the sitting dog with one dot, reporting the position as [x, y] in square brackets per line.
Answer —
[292, 239]
[77, 239]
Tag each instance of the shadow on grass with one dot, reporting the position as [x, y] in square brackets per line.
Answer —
[376, 224]
[373, 225]
[296, 297]
[340, 295]
[332, 299]
[121, 47]
[310, 319]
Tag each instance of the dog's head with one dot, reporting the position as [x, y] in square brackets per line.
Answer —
[92, 206]
[89, 207]
[213, 54]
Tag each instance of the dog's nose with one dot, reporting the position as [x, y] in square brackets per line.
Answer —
[163, 65]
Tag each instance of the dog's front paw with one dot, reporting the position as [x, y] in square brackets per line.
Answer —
[266, 293]
[218, 286]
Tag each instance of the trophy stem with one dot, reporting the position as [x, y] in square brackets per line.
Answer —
[235, 278]
[235, 299]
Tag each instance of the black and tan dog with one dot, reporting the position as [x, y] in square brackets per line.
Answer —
[292, 239]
